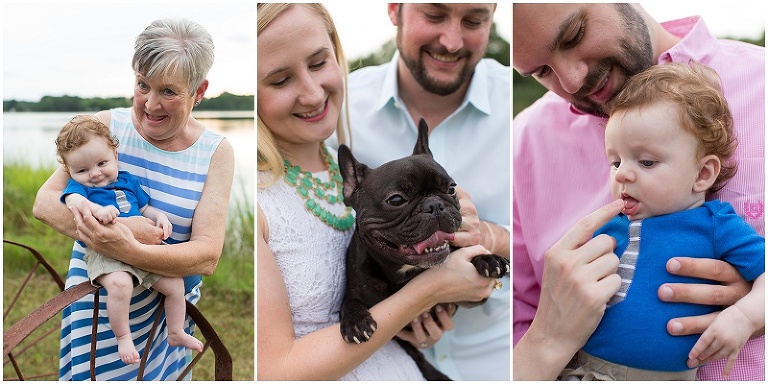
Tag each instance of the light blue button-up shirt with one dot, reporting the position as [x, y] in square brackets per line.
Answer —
[473, 145]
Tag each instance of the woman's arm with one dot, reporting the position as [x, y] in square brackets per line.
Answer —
[323, 354]
[49, 209]
[199, 255]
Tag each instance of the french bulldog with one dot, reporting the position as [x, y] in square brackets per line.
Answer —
[407, 211]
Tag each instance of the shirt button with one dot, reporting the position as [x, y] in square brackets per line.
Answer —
[443, 357]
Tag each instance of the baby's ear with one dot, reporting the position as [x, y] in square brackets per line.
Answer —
[709, 169]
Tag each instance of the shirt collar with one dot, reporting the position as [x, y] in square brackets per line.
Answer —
[389, 89]
[478, 93]
[696, 44]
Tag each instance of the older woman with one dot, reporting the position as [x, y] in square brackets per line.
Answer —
[187, 171]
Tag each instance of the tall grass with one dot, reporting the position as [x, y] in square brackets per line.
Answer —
[235, 268]
[227, 296]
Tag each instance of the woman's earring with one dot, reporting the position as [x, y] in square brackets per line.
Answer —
[197, 102]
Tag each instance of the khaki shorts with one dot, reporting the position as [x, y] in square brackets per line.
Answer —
[591, 368]
[99, 264]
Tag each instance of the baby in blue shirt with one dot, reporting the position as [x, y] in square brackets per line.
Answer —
[89, 154]
[668, 139]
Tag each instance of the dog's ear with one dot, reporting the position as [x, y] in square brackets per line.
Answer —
[352, 172]
[422, 142]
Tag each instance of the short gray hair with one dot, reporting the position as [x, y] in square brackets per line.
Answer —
[172, 44]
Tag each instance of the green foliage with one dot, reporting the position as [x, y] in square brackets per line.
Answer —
[224, 102]
[498, 49]
[235, 269]
[20, 185]
[760, 41]
[227, 102]
[525, 91]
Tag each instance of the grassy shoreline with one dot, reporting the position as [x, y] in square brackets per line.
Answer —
[227, 296]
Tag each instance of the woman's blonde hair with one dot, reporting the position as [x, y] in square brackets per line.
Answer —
[269, 157]
[695, 90]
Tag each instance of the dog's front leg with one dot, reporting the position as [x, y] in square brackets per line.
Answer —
[356, 323]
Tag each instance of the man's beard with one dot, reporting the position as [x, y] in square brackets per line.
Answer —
[421, 75]
[636, 56]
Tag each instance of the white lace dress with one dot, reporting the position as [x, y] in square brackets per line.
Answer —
[310, 255]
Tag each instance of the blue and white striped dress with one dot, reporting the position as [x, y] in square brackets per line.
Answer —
[174, 182]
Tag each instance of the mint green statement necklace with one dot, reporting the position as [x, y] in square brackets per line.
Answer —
[309, 187]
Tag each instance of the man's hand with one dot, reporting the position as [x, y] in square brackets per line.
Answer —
[469, 232]
[732, 288]
[427, 330]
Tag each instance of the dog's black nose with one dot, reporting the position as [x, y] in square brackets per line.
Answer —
[433, 206]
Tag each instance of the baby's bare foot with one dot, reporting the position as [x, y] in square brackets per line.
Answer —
[127, 351]
[177, 339]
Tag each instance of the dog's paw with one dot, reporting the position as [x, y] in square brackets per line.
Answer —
[491, 265]
[356, 329]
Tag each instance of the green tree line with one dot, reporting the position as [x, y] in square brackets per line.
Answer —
[498, 49]
[224, 102]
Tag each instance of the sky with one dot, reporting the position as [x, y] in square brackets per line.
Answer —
[85, 49]
[737, 19]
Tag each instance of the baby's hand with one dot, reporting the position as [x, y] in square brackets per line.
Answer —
[106, 214]
[164, 224]
[723, 338]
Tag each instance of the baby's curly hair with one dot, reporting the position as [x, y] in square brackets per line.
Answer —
[695, 90]
[79, 131]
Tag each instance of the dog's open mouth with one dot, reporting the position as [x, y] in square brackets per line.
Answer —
[426, 253]
[435, 243]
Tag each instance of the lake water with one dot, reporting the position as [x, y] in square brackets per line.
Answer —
[28, 138]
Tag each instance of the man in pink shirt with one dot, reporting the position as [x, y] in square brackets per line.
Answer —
[583, 53]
